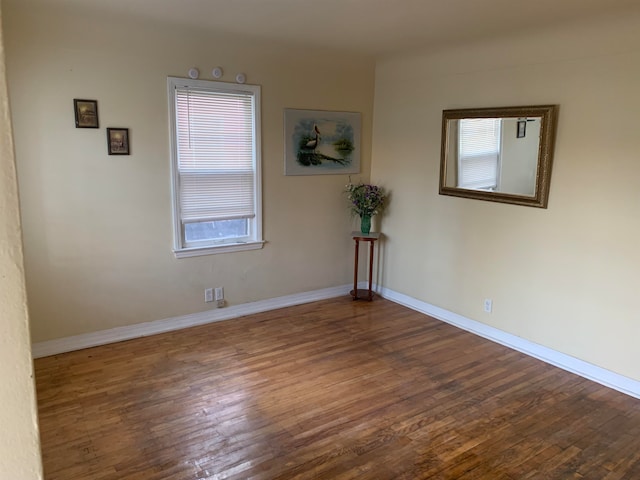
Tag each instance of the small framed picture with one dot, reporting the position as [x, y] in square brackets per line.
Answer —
[86, 113]
[522, 129]
[118, 141]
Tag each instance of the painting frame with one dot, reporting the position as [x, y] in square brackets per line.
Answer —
[118, 141]
[321, 142]
[86, 113]
[522, 129]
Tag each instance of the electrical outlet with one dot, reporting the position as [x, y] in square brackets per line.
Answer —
[219, 297]
[219, 293]
[208, 295]
[488, 305]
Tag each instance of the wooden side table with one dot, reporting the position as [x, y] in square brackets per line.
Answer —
[360, 294]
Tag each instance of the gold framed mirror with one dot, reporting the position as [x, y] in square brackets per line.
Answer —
[498, 154]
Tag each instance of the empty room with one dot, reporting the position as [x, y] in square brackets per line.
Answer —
[286, 239]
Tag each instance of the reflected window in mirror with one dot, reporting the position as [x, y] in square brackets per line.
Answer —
[479, 153]
[498, 154]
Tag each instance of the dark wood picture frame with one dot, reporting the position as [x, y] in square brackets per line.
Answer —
[522, 129]
[118, 141]
[86, 112]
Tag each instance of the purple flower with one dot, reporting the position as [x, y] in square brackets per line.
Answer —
[366, 199]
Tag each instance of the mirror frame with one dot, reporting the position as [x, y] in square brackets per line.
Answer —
[549, 114]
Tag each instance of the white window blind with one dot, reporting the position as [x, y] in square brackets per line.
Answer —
[215, 165]
[479, 152]
[215, 155]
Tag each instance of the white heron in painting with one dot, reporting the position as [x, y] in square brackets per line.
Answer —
[313, 144]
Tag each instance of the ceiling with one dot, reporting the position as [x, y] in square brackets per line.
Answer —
[367, 27]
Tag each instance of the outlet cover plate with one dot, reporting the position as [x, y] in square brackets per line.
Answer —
[488, 305]
[208, 295]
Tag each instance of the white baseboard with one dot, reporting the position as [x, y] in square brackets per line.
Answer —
[566, 362]
[118, 334]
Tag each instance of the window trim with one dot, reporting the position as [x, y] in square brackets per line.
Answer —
[255, 241]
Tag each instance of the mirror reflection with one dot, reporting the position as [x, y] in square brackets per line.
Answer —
[499, 154]
[494, 154]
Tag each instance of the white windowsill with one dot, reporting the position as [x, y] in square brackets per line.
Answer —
[212, 250]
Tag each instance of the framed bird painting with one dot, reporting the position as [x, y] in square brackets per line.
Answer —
[319, 142]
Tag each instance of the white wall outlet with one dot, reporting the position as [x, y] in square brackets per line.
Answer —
[220, 297]
[208, 295]
[220, 293]
[488, 305]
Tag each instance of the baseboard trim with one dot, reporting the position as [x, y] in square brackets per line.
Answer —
[566, 362]
[118, 334]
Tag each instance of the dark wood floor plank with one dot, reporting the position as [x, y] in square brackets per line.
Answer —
[334, 390]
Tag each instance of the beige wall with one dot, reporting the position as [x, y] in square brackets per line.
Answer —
[98, 229]
[19, 447]
[565, 277]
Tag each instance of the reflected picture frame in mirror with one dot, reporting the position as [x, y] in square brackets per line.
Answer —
[471, 145]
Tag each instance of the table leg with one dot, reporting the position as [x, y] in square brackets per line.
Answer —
[355, 270]
[370, 269]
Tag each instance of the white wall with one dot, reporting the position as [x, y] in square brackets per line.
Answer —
[19, 447]
[566, 277]
[98, 229]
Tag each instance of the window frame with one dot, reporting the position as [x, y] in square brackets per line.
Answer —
[254, 239]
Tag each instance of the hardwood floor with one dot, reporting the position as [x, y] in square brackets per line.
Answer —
[330, 390]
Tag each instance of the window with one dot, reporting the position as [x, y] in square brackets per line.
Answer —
[215, 158]
[479, 153]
